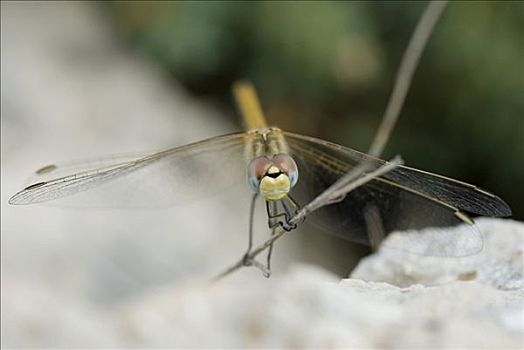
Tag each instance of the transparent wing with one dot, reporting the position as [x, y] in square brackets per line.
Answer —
[58, 170]
[461, 195]
[165, 178]
[417, 205]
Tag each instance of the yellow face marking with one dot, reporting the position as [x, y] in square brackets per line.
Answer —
[273, 170]
[274, 189]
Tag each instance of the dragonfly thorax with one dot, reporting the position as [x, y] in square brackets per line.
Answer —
[272, 178]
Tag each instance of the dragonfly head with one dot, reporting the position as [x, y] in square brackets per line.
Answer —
[274, 178]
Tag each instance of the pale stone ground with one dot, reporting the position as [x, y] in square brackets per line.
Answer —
[74, 278]
[480, 305]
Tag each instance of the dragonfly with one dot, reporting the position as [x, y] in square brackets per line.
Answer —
[287, 170]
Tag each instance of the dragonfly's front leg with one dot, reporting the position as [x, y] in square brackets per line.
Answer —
[281, 212]
[270, 252]
[246, 260]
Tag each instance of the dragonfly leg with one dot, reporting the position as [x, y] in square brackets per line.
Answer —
[281, 212]
[292, 208]
[269, 253]
[246, 260]
[262, 268]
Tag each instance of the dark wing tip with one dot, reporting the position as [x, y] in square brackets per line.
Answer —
[34, 186]
[493, 205]
[500, 208]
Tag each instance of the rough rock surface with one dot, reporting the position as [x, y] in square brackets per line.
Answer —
[475, 305]
[499, 264]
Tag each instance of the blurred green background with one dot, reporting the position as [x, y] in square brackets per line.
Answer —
[326, 69]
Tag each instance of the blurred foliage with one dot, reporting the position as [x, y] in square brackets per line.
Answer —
[327, 68]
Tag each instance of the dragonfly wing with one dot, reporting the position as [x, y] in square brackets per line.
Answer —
[461, 195]
[54, 171]
[373, 211]
[165, 178]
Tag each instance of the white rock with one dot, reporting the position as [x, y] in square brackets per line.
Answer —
[306, 308]
[499, 264]
[35, 316]
[474, 302]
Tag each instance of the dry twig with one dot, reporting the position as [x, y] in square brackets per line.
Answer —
[405, 73]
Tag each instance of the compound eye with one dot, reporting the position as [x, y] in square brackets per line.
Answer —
[293, 178]
[256, 170]
[254, 184]
[287, 165]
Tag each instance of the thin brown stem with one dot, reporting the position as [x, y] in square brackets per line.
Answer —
[405, 73]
